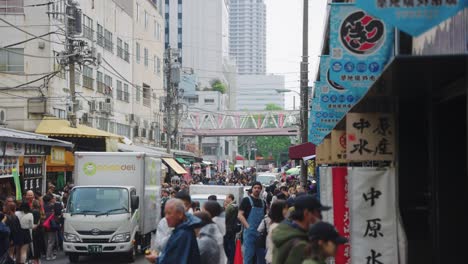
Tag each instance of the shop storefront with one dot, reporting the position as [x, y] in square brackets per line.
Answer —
[23, 161]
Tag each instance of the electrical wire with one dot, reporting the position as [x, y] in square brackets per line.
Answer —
[26, 32]
[36, 56]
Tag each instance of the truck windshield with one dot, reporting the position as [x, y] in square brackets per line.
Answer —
[266, 179]
[98, 201]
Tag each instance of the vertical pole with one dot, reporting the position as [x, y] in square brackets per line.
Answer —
[168, 100]
[304, 86]
[72, 92]
[294, 102]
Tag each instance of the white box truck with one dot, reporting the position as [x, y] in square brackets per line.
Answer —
[115, 204]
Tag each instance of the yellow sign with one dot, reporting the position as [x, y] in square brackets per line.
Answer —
[323, 152]
[338, 146]
[57, 155]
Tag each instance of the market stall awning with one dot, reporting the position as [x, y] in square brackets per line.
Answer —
[62, 128]
[174, 166]
[136, 148]
[239, 157]
[12, 135]
[182, 161]
[207, 163]
[300, 151]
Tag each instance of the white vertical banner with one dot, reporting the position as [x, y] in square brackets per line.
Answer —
[326, 192]
[373, 215]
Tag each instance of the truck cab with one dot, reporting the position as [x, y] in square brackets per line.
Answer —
[101, 219]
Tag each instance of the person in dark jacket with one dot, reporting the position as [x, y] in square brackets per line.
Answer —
[182, 246]
[4, 235]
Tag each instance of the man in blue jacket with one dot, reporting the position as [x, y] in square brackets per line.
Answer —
[182, 246]
[4, 235]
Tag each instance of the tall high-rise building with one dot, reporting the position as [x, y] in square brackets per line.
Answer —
[247, 35]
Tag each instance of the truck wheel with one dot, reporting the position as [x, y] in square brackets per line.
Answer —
[74, 258]
[131, 256]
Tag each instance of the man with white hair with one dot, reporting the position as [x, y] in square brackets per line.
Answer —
[182, 245]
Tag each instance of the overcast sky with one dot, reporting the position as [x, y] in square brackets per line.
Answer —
[284, 40]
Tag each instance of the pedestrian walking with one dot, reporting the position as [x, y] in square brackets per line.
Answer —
[182, 245]
[323, 243]
[251, 212]
[232, 227]
[278, 212]
[214, 211]
[26, 220]
[290, 237]
[52, 226]
[37, 234]
[208, 237]
[4, 240]
[13, 223]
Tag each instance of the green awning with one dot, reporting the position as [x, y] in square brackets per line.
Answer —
[182, 161]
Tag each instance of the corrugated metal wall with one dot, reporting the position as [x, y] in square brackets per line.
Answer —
[450, 37]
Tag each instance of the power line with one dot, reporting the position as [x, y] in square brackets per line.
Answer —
[36, 56]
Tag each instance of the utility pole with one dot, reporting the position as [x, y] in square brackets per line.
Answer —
[71, 8]
[172, 98]
[304, 87]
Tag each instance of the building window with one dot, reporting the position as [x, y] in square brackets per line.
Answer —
[146, 20]
[146, 95]
[119, 48]
[179, 7]
[209, 101]
[158, 65]
[12, 60]
[157, 30]
[60, 113]
[193, 100]
[179, 23]
[138, 93]
[100, 82]
[155, 64]
[146, 56]
[138, 52]
[88, 31]
[119, 91]
[88, 77]
[108, 42]
[126, 93]
[11, 7]
[100, 35]
[126, 52]
[138, 13]
[102, 123]
[123, 130]
[108, 85]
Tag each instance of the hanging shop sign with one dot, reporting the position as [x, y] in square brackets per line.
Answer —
[360, 46]
[338, 146]
[370, 136]
[326, 192]
[341, 212]
[35, 150]
[373, 227]
[8, 165]
[33, 167]
[13, 149]
[323, 152]
[412, 16]
[57, 155]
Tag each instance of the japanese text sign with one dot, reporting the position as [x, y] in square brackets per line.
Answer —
[373, 215]
[360, 47]
[370, 136]
[412, 16]
[341, 215]
[338, 146]
[323, 152]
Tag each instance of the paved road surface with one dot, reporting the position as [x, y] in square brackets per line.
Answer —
[62, 259]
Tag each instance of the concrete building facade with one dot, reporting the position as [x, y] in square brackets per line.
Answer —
[255, 92]
[247, 35]
[107, 91]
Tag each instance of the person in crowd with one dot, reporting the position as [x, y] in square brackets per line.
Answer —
[164, 231]
[208, 237]
[284, 194]
[196, 206]
[4, 238]
[182, 245]
[212, 198]
[26, 220]
[50, 209]
[214, 210]
[164, 199]
[30, 198]
[292, 192]
[251, 212]
[323, 243]
[290, 237]
[37, 234]
[16, 238]
[232, 227]
[278, 212]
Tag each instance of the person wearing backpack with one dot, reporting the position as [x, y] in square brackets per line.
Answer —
[233, 227]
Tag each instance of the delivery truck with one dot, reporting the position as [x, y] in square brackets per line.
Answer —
[115, 204]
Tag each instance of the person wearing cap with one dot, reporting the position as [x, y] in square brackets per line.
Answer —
[291, 236]
[323, 243]
[251, 212]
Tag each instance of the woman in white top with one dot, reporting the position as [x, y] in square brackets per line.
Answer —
[26, 220]
[278, 212]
